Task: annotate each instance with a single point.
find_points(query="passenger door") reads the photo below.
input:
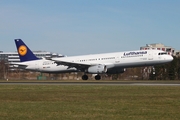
(150, 55)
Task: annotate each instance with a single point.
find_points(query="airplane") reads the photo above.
(106, 63)
(29, 61)
(113, 63)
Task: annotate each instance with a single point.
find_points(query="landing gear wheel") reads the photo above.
(97, 77)
(85, 77)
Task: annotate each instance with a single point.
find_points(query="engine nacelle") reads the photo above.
(97, 69)
(116, 70)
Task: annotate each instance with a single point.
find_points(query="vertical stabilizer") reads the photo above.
(25, 54)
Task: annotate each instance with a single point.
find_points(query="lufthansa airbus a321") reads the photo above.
(106, 63)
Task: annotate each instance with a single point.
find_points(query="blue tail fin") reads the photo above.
(25, 54)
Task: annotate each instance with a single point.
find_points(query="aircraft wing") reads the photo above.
(73, 64)
(79, 66)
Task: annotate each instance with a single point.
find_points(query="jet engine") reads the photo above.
(97, 69)
(116, 70)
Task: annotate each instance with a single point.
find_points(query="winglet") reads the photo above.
(25, 54)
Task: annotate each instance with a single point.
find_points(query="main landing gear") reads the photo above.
(97, 77)
(85, 77)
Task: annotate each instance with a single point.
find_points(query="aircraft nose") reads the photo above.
(170, 58)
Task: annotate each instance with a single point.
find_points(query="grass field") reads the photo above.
(51, 102)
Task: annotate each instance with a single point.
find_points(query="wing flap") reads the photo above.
(72, 64)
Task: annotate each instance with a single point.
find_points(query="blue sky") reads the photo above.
(75, 27)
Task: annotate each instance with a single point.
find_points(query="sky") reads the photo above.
(78, 27)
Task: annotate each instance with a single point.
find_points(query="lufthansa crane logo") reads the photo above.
(22, 50)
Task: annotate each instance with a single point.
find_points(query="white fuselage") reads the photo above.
(110, 60)
(122, 59)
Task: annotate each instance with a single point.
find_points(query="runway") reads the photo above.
(117, 83)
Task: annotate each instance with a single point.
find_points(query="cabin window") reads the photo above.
(163, 53)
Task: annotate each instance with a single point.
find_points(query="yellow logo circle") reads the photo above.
(22, 50)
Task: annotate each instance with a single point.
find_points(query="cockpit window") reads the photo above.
(163, 53)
